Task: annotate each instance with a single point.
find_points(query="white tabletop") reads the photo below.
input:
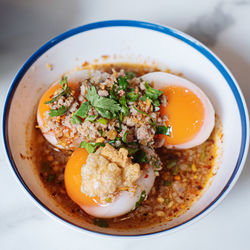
(25, 25)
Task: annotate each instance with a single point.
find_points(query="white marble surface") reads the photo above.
(25, 25)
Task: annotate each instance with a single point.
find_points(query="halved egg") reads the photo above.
(74, 80)
(189, 112)
(123, 202)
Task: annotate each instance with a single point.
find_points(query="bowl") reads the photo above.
(127, 41)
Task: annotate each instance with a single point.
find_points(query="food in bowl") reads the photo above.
(124, 145)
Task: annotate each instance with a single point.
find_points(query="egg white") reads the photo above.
(125, 201)
(162, 79)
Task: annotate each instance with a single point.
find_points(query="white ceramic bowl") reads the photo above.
(132, 41)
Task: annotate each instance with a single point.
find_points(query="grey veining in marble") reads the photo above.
(209, 25)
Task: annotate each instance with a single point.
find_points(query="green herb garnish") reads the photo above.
(120, 119)
(166, 201)
(123, 83)
(171, 164)
(58, 112)
(124, 107)
(124, 138)
(176, 170)
(102, 121)
(113, 93)
(125, 110)
(105, 113)
(152, 93)
(132, 151)
(65, 87)
(132, 96)
(91, 118)
(75, 120)
(55, 97)
(164, 130)
(81, 112)
(106, 107)
(140, 156)
(142, 198)
(143, 98)
(139, 111)
(64, 83)
(100, 222)
(91, 146)
(167, 183)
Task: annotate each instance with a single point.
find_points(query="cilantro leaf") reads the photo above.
(123, 83)
(132, 96)
(124, 109)
(91, 146)
(58, 112)
(113, 93)
(91, 94)
(91, 118)
(142, 198)
(104, 113)
(164, 130)
(106, 107)
(102, 121)
(75, 120)
(55, 97)
(64, 84)
(152, 93)
(81, 112)
(123, 101)
(65, 91)
(143, 98)
(139, 111)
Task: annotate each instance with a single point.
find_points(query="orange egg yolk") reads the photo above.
(73, 179)
(185, 113)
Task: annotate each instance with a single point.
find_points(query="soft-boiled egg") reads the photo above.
(189, 112)
(74, 79)
(123, 202)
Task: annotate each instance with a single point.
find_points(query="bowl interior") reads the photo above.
(126, 44)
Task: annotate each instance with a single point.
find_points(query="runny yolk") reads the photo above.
(185, 113)
(73, 179)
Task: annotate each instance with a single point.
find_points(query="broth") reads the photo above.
(179, 184)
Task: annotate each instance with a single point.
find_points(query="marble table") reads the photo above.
(25, 25)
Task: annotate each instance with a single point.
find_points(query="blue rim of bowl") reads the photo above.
(144, 25)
